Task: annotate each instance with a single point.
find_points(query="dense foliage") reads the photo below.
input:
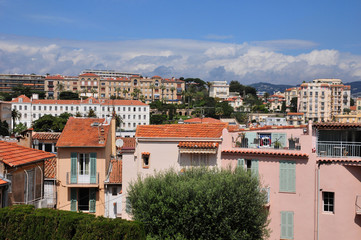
(200, 203)
(24, 222)
(50, 123)
(69, 95)
(4, 128)
(21, 90)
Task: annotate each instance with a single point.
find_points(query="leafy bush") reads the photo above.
(24, 222)
(200, 203)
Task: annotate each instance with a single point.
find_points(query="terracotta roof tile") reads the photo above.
(23, 97)
(122, 102)
(116, 173)
(50, 168)
(211, 145)
(335, 125)
(339, 160)
(128, 143)
(266, 152)
(146, 153)
(3, 182)
(84, 132)
(46, 135)
(202, 120)
(88, 75)
(15, 155)
(211, 130)
(295, 113)
(353, 108)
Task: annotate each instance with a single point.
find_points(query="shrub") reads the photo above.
(24, 222)
(200, 203)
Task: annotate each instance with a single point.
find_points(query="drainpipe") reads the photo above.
(27, 186)
(318, 197)
(42, 180)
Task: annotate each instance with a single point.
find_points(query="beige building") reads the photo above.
(358, 105)
(322, 99)
(219, 89)
(5, 112)
(134, 87)
(86, 148)
(291, 93)
(348, 118)
(295, 119)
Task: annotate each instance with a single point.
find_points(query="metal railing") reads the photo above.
(338, 149)
(268, 191)
(82, 179)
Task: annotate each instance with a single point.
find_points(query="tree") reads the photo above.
(68, 95)
(20, 128)
(283, 107)
(125, 92)
(172, 89)
(152, 87)
(201, 203)
(93, 91)
(352, 102)
(60, 88)
(162, 88)
(15, 115)
(4, 128)
(158, 118)
(293, 105)
(49, 123)
(91, 113)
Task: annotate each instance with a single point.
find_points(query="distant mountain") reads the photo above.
(355, 88)
(271, 88)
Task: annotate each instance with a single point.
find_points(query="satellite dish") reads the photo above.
(119, 143)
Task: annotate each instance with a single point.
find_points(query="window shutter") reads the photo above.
(290, 225)
(284, 225)
(251, 136)
(281, 137)
(287, 225)
(240, 162)
(92, 201)
(254, 167)
(73, 199)
(73, 170)
(93, 167)
(287, 176)
(292, 177)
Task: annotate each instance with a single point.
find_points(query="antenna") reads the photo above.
(119, 143)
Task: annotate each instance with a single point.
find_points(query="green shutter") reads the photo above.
(251, 136)
(286, 225)
(287, 176)
(73, 199)
(281, 137)
(254, 167)
(93, 167)
(240, 162)
(73, 170)
(92, 199)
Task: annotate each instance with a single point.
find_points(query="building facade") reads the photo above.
(132, 87)
(219, 89)
(295, 119)
(8, 81)
(322, 99)
(291, 93)
(132, 112)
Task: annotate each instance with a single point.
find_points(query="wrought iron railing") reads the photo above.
(338, 149)
(82, 179)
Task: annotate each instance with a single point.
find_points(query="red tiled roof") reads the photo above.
(24, 98)
(339, 160)
(55, 77)
(347, 87)
(116, 173)
(15, 155)
(46, 135)
(2, 182)
(202, 120)
(146, 153)
(156, 76)
(295, 113)
(128, 143)
(353, 108)
(211, 145)
(123, 102)
(50, 168)
(88, 75)
(335, 125)
(266, 152)
(80, 132)
(211, 130)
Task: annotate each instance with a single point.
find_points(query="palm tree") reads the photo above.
(85, 91)
(142, 98)
(125, 92)
(134, 95)
(209, 85)
(162, 88)
(172, 89)
(219, 112)
(93, 91)
(60, 88)
(152, 87)
(137, 92)
(15, 115)
(117, 91)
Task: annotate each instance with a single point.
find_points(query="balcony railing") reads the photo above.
(82, 179)
(338, 149)
(267, 190)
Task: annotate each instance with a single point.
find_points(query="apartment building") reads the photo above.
(219, 89)
(295, 119)
(323, 98)
(86, 148)
(291, 93)
(132, 87)
(8, 81)
(109, 73)
(5, 112)
(275, 102)
(132, 112)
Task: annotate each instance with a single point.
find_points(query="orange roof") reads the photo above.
(295, 113)
(335, 125)
(88, 75)
(55, 77)
(266, 152)
(23, 97)
(353, 108)
(50, 168)
(347, 87)
(211, 130)
(339, 160)
(128, 143)
(123, 102)
(202, 120)
(116, 173)
(46, 135)
(15, 155)
(198, 145)
(146, 153)
(156, 76)
(84, 132)
(2, 182)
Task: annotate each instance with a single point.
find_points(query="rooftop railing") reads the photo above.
(338, 149)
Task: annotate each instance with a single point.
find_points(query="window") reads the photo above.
(286, 225)
(83, 164)
(114, 191)
(128, 206)
(328, 201)
(287, 176)
(145, 158)
(34, 108)
(39, 107)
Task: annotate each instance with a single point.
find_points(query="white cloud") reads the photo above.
(208, 60)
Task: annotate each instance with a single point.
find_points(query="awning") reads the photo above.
(198, 147)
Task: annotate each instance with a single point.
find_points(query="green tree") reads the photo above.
(152, 86)
(158, 118)
(172, 89)
(20, 128)
(293, 105)
(15, 115)
(91, 113)
(162, 88)
(352, 102)
(201, 203)
(4, 128)
(125, 92)
(69, 95)
(49, 123)
(283, 107)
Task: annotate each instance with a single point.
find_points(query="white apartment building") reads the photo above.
(219, 89)
(291, 93)
(322, 99)
(109, 73)
(132, 112)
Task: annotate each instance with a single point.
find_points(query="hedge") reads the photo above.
(26, 222)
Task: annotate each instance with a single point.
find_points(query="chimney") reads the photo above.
(113, 136)
(101, 136)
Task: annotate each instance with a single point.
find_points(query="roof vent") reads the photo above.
(95, 124)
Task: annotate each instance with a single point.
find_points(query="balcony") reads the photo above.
(358, 205)
(80, 179)
(267, 190)
(338, 149)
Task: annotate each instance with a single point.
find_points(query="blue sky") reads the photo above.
(276, 41)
